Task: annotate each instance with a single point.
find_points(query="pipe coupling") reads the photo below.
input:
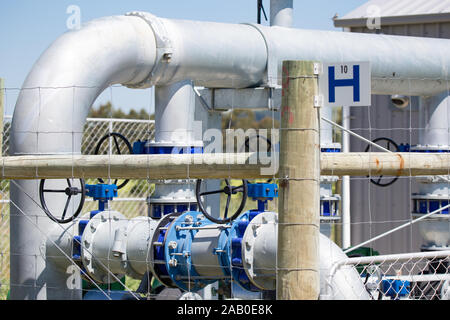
(164, 49)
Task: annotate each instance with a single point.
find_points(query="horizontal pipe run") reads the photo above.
(421, 277)
(207, 166)
(164, 166)
(394, 258)
(386, 164)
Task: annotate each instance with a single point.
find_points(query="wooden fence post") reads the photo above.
(2, 110)
(299, 190)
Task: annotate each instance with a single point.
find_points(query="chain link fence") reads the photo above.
(408, 276)
(415, 276)
(131, 200)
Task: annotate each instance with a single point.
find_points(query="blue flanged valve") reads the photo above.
(190, 251)
(193, 250)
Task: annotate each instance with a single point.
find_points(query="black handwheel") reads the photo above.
(114, 135)
(69, 191)
(229, 190)
(392, 146)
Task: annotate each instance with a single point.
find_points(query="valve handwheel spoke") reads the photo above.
(211, 192)
(115, 136)
(225, 214)
(69, 192)
(229, 190)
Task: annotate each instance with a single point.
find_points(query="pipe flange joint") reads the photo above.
(329, 208)
(433, 179)
(265, 220)
(177, 249)
(331, 147)
(164, 49)
(271, 78)
(139, 231)
(235, 254)
(328, 179)
(92, 236)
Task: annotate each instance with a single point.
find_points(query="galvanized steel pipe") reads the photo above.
(141, 50)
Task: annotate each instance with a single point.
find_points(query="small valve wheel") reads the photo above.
(229, 190)
(392, 146)
(114, 136)
(69, 192)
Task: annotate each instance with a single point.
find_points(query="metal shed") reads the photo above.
(374, 209)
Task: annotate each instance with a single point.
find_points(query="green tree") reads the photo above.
(108, 111)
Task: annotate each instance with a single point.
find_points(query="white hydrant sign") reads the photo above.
(345, 84)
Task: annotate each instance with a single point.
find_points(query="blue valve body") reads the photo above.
(101, 191)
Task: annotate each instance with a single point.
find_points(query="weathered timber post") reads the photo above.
(2, 110)
(299, 193)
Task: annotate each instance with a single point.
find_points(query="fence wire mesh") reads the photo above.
(374, 212)
(416, 276)
(131, 200)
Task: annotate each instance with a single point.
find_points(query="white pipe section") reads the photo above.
(326, 129)
(281, 13)
(346, 217)
(174, 115)
(260, 252)
(213, 55)
(346, 283)
(218, 55)
(140, 50)
(399, 64)
(48, 119)
(62, 85)
(346, 262)
(174, 126)
(434, 118)
(108, 256)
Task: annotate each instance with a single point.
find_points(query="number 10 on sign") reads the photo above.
(345, 84)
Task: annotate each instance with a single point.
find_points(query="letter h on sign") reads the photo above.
(352, 82)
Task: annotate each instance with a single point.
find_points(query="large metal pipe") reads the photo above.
(204, 166)
(399, 65)
(239, 56)
(48, 119)
(140, 50)
(105, 260)
(174, 127)
(281, 13)
(434, 118)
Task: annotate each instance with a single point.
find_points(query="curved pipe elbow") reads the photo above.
(68, 77)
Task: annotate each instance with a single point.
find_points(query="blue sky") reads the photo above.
(28, 27)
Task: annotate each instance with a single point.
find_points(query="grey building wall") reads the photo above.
(374, 209)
